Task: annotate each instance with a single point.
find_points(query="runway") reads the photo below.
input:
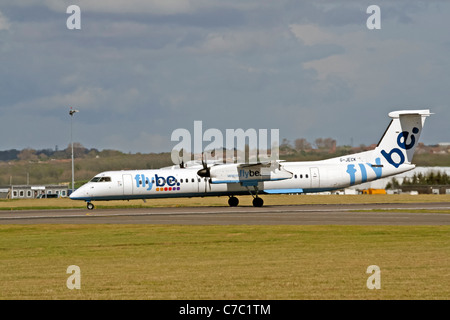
(332, 214)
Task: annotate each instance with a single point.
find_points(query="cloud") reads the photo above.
(366, 62)
(234, 42)
(142, 141)
(311, 34)
(122, 6)
(140, 69)
(4, 23)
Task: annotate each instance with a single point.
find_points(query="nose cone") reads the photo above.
(75, 194)
(79, 194)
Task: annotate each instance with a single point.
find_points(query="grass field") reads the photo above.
(225, 262)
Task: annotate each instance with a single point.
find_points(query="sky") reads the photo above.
(139, 69)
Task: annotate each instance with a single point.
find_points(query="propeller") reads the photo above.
(205, 171)
(181, 161)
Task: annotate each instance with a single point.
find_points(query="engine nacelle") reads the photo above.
(248, 174)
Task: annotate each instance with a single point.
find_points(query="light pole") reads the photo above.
(71, 112)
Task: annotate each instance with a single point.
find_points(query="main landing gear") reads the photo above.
(257, 201)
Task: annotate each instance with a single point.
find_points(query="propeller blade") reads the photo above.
(181, 161)
(205, 171)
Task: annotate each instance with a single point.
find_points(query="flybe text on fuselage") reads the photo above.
(170, 182)
(352, 169)
(249, 173)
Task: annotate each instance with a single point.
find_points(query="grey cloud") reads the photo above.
(137, 76)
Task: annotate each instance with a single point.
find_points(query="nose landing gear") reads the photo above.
(90, 205)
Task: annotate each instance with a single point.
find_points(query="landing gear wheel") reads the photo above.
(233, 201)
(258, 202)
(90, 206)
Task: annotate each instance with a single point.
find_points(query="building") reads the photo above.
(33, 192)
(429, 189)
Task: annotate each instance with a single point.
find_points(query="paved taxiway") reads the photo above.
(348, 214)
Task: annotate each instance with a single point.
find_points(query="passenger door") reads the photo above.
(315, 178)
(127, 184)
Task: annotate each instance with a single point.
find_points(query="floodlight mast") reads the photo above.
(72, 112)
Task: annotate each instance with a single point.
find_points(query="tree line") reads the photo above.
(79, 151)
(431, 178)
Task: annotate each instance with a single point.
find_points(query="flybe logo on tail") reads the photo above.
(402, 143)
(162, 184)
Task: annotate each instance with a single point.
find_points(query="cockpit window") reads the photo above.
(101, 179)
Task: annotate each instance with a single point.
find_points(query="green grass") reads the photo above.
(224, 262)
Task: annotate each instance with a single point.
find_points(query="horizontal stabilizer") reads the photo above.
(397, 114)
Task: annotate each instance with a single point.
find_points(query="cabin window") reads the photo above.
(306, 176)
(181, 180)
(192, 180)
(301, 176)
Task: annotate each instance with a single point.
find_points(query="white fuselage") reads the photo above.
(306, 177)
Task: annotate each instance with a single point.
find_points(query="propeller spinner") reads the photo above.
(205, 171)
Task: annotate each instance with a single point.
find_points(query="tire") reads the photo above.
(258, 202)
(233, 202)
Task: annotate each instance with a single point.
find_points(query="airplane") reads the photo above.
(392, 155)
